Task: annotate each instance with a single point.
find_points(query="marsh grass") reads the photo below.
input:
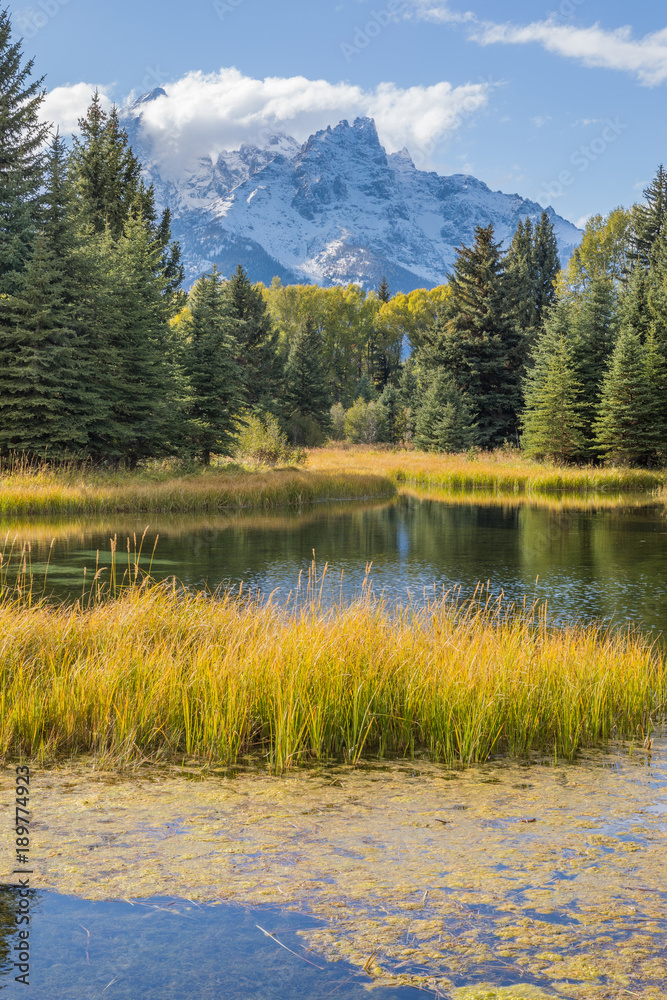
(504, 471)
(161, 674)
(170, 487)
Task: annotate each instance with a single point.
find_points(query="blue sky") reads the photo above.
(563, 103)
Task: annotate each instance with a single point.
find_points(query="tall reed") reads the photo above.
(162, 674)
(507, 472)
(42, 490)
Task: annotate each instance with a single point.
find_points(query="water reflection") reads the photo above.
(605, 564)
(168, 949)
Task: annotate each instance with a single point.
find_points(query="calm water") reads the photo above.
(593, 564)
(166, 949)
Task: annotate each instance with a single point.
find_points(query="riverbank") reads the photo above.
(509, 473)
(165, 489)
(162, 675)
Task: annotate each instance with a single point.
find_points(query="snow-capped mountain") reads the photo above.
(334, 210)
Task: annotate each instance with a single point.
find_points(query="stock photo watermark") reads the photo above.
(224, 7)
(583, 157)
(32, 19)
(378, 21)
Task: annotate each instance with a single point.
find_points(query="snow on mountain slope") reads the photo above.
(335, 210)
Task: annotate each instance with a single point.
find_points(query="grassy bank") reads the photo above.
(43, 491)
(498, 472)
(158, 675)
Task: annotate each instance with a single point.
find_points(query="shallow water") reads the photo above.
(168, 949)
(603, 564)
(536, 878)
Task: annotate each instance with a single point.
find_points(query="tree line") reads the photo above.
(103, 356)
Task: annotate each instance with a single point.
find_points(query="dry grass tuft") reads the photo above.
(158, 674)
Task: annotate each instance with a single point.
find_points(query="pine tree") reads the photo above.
(216, 379)
(306, 398)
(445, 421)
(649, 219)
(479, 345)
(521, 279)
(552, 419)
(22, 161)
(394, 418)
(258, 342)
(596, 325)
(634, 308)
(45, 398)
(383, 291)
(630, 425)
(106, 175)
(148, 391)
(547, 266)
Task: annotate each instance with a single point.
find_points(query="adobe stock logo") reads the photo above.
(364, 35)
(584, 156)
(29, 22)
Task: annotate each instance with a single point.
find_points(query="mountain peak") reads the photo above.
(152, 95)
(332, 210)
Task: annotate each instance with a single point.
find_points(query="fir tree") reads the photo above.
(45, 399)
(552, 419)
(596, 323)
(445, 421)
(521, 281)
(547, 266)
(306, 398)
(22, 161)
(649, 219)
(479, 345)
(258, 342)
(147, 391)
(383, 291)
(394, 418)
(216, 379)
(630, 425)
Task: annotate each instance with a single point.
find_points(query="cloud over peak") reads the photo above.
(206, 113)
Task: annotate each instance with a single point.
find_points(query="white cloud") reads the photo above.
(645, 57)
(437, 11)
(207, 113)
(541, 120)
(65, 105)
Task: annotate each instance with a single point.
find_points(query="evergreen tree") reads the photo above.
(148, 392)
(630, 426)
(22, 161)
(634, 307)
(384, 292)
(479, 345)
(547, 266)
(45, 400)
(383, 357)
(365, 389)
(394, 418)
(649, 219)
(521, 280)
(106, 176)
(258, 342)
(216, 379)
(595, 324)
(552, 419)
(306, 398)
(445, 421)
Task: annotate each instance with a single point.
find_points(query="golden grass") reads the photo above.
(43, 491)
(507, 472)
(158, 674)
